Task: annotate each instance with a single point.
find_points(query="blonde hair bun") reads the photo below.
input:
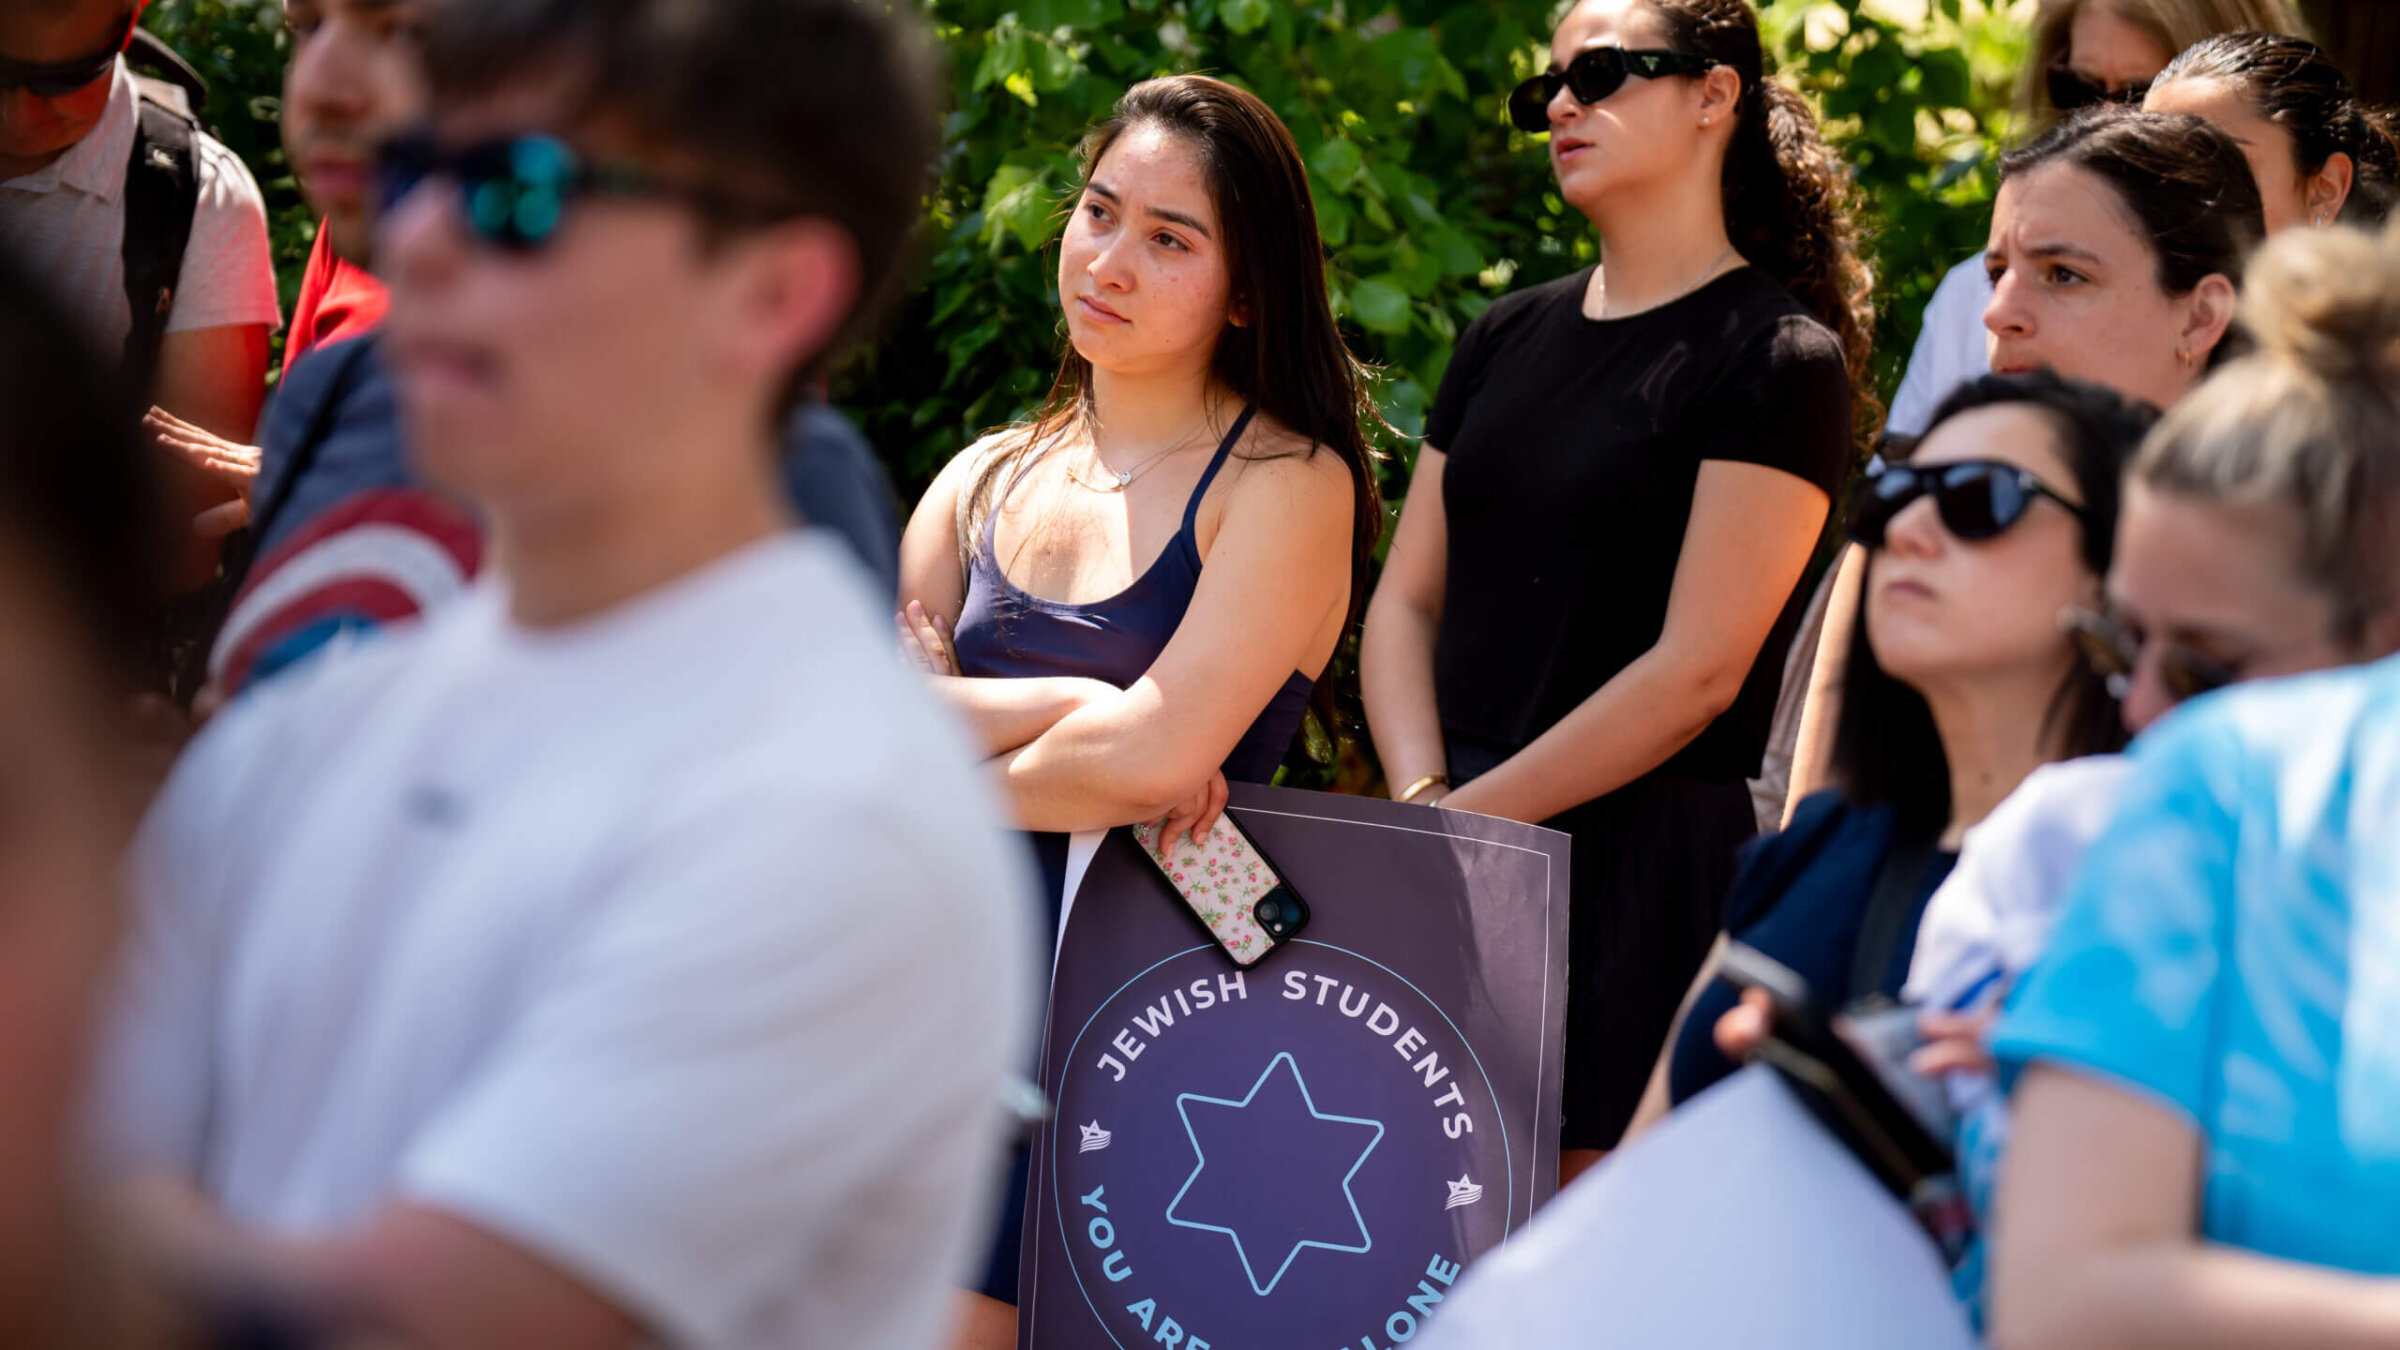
(2328, 302)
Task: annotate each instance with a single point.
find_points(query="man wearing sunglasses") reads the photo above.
(71, 132)
(627, 954)
(342, 526)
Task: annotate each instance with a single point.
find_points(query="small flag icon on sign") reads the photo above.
(1096, 1139)
(1462, 1192)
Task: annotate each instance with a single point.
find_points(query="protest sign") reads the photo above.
(1306, 1153)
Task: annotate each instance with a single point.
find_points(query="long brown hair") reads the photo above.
(1790, 205)
(1288, 360)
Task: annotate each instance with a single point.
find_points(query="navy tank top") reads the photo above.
(1006, 633)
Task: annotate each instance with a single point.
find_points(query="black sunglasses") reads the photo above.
(2113, 649)
(1977, 498)
(2070, 90)
(57, 79)
(1594, 74)
(513, 192)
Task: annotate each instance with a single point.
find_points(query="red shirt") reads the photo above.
(338, 300)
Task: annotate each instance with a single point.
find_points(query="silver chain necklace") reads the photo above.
(1123, 478)
(1707, 274)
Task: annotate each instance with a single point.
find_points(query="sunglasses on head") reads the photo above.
(2113, 649)
(513, 191)
(57, 79)
(2070, 90)
(1594, 74)
(1977, 498)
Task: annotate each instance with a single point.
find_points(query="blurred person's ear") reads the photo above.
(2208, 314)
(793, 287)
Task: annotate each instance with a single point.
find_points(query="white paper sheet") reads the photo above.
(1736, 1223)
(1080, 847)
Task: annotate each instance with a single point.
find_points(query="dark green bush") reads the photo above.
(1431, 204)
(239, 47)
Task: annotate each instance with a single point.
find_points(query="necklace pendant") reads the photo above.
(1125, 479)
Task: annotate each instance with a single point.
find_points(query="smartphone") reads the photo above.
(1829, 1066)
(1228, 883)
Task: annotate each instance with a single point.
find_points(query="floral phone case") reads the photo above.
(1230, 886)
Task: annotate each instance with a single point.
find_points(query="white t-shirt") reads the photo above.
(1990, 921)
(1952, 348)
(66, 225)
(682, 947)
(1991, 918)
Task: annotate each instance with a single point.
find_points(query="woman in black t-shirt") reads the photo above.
(1625, 475)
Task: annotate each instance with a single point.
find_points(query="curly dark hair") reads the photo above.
(2291, 82)
(1790, 204)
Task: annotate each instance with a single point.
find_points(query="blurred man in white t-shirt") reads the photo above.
(629, 954)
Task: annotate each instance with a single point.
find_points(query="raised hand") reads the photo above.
(226, 470)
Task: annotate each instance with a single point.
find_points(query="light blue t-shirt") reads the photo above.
(2231, 946)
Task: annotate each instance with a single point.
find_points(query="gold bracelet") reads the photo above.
(1418, 787)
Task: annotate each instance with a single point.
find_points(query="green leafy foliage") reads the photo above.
(240, 47)
(1430, 204)
(1421, 187)
(1915, 92)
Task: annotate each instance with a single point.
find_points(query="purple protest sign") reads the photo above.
(1308, 1152)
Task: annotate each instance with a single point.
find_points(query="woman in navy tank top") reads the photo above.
(1132, 595)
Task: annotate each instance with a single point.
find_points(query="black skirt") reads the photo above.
(1651, 867)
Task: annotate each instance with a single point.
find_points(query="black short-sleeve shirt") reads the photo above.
(1573, 446)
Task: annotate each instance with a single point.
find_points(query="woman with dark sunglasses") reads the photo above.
(2249, 545)
(2117, 245)
(1585, 612)
(1958, 684)
(2085, 53)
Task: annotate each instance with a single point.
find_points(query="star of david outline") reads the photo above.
(1182, 1103)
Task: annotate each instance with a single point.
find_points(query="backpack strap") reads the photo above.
(1898, 885)
(162, 198)
(164, 74)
